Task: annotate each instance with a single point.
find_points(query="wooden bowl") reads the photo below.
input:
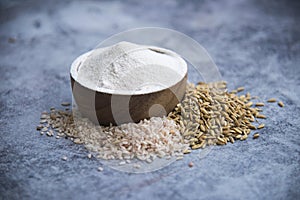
(108, 108)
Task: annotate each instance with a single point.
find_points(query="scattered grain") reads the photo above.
(39, 127)
(261, 126)
(259, 104)
(271, 100)
(77, 141)
(191, 164)
(65, 103)
(261, 116)
(231, 139)
(179, 158)
(49, 134)
(44, 129)
(240, 89)
(187, 151)
(249, 104)
(281, 104)
(256, 135)
(100, 169)
(251, 126)
(137, 166)
(65, 158)
(122, 163)
(44, 116)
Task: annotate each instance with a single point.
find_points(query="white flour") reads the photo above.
(129, 68)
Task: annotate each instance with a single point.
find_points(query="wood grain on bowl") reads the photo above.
(103, 108)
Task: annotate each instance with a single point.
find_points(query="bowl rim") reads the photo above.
(124, 94)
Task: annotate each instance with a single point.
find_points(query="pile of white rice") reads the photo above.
(146, 140)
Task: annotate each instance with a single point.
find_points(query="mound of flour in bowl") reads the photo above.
(130, 68)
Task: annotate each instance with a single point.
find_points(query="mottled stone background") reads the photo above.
(255, 44)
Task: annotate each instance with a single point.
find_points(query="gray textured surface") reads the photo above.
(254, 43)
